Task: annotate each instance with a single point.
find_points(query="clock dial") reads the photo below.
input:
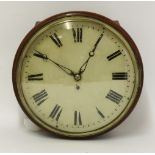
(77, 76)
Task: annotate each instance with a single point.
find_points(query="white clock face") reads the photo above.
(77, 76)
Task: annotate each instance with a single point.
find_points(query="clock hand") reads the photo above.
(91, 54)
(44, 57)
(84, 65)
(40, 55)
(65, 69)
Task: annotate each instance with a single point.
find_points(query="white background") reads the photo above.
(136, 134)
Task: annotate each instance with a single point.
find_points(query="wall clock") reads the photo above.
(77, 74)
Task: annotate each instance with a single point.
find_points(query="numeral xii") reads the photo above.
(77, 34)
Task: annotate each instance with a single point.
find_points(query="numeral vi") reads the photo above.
(77, 118)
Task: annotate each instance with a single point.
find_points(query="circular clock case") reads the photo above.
(77, 74)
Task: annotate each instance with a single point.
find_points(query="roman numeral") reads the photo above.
(77, 118)
(40, 97)
(35, 77)
(114, 55)
(56, 40)
(99, 112)
(77, 35)
(113, 96)
(120, 76)
(56, 112)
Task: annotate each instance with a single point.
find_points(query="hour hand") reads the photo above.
(91, 54)
(83, 67)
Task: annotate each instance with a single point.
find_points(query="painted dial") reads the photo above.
(77, 76)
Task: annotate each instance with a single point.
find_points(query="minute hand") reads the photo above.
(91, 54)
(44, 57)
(65, 69)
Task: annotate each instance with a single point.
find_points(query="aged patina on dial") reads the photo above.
(77, 74)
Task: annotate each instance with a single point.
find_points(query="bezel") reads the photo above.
(101, 18)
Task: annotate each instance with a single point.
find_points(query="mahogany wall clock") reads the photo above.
(77, 74)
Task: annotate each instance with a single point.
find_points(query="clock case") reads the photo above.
(115, 25)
